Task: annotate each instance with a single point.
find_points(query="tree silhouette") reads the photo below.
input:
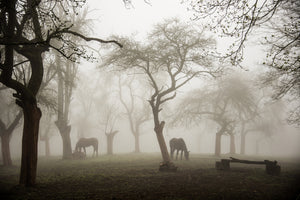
(9, 120)
(136, 109)
(278, 25)
(23, 32)
(226, 103)
(174, 50)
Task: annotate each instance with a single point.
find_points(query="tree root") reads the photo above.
(167, 167)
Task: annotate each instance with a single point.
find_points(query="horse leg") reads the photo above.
(172, 152)
(177, 154)
(84, 150)
(181, 154)
(95, 153)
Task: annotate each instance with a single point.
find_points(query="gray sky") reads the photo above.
(115, 18)
(112, 17)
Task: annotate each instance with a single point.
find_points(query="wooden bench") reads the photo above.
(271, 166)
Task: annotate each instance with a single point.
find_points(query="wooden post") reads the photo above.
(225, 164)
(272, 168)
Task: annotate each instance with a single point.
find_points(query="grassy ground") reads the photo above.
(136, 176)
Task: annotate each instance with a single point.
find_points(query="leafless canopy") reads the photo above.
(57, 19)
(228, 102)
(277, 21)
(174, 53)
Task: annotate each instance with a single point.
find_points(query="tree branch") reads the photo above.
(13, 125)
(92, 38)
(167, 99)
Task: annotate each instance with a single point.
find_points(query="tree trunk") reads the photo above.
(232, 144)
(5, 149)
(67, 148)
(65, 131)
(63, 112)
(5, 134)
(167, 164)
(218, 144)
(137, 142)
(243, 143)
(32, 115)
(161, 141)
(110, 139)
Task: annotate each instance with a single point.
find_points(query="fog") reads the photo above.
(200, 139)
(97, 89)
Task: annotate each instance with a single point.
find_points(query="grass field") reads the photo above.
(136, 176)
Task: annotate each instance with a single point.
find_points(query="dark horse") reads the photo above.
(85, 142)
(179, 145)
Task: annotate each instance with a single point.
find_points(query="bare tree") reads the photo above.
(48, 103)
(22, 33)
(66, 79)
(137, 114)
(268, 123)
(278, 24)
(225, 103)
(9, 119)
(283, 42)
(247, 124)
(47, 125)
(107, 107)
(5, 134)
(174, 50)
(86, 97)
(110, 117)
(21, 74)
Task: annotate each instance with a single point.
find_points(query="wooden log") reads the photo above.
(271, 166)
(225, 164)
(247, 161)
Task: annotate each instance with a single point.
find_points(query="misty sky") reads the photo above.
(112, 17)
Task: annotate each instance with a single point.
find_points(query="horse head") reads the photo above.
(187, 155)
